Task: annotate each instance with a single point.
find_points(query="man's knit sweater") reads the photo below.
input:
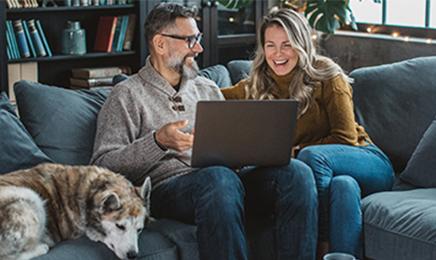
(134, 110)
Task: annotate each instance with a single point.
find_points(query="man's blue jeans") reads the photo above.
(343, 175)
(213, 199)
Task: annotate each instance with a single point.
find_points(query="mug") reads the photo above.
(339, 256)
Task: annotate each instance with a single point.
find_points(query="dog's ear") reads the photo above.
(145, 190)
(110, 202)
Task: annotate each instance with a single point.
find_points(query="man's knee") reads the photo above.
(218, 179)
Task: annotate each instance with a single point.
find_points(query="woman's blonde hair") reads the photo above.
(311, 67)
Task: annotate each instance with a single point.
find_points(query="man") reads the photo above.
(145, 129)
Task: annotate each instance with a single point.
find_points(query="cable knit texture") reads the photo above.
(134, 110)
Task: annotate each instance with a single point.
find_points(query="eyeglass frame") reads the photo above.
(186, 38)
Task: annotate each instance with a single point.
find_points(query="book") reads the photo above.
(105, 72)
(14, 75)
(130, 31)
(42, 36)
(118, 26)
(29, 71)
(29, 39)
(14, 43)
(10, 43)
(122, 33)
(21, 39)
(105, 33)
(21, 71)
(35, 38)
(97, 82)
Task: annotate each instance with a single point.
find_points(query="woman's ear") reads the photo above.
(159, 44)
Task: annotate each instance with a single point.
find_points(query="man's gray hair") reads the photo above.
(164, 15)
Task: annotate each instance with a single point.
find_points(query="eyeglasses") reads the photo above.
(190, 39)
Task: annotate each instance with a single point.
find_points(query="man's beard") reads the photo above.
(189, 72)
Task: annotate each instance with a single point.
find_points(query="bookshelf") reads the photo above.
(56, 70)
(224, 37)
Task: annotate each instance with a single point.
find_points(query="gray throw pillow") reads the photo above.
(61, 121)
(18, 150)
(421, 168)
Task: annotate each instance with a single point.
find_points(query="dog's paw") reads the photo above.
(42, 249)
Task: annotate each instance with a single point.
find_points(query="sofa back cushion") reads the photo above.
(61, 121)
(421, 168)
(218, 74)
(18, 150)
(396, 103)
(239, 69)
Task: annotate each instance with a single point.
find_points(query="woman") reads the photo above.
(346, 164)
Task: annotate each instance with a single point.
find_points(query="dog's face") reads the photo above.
(121, 218)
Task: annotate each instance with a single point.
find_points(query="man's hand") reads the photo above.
(170, 137)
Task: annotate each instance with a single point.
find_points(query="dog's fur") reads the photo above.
(41, 206)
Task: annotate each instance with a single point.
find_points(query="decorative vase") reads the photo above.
(73, 39)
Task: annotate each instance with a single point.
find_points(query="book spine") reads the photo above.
(21, 39)
(36, 39)
(116, 34)
(8, 49)
(29, 40)
(122, 33)
(42, 36)
(105, 33)
(127, 45)
(10, 44)
(14, 39)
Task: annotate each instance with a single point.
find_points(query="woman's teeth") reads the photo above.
(280, 62)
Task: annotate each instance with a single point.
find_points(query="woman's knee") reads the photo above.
(344, 185)
(297, 177)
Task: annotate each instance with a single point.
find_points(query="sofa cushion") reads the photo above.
(421, 168)
(61, 121)
(218, 74)
(396, 103)
(18, 150)
(239, 69)
(152, 246)
(400, 225)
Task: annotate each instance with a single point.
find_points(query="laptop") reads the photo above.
(237, 133)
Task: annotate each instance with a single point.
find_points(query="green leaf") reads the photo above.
(235, 4)
(328, 15)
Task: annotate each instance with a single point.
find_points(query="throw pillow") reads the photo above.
(61, 121)
(421, 168)
(18, 150)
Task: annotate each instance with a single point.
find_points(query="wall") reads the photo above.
(355, 50)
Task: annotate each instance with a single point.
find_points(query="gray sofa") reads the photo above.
(396, 103)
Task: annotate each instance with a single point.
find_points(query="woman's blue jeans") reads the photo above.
(343, 175)
(213, 199)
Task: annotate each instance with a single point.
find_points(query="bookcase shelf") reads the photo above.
(73, 57)
(56, 70)
(70, 8)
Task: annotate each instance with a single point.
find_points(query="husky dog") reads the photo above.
(41, 206)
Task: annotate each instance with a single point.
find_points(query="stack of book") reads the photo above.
(115, 33)
(21, 3)
(26, 39)
(89, 78)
